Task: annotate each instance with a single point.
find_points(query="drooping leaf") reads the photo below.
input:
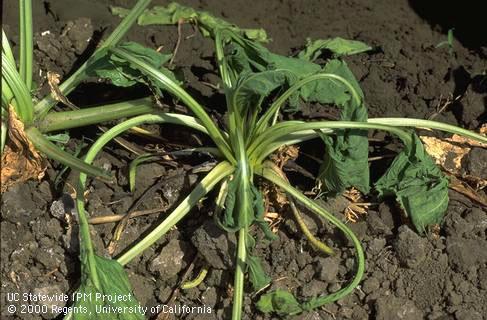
(252, 88)
(258, 277)
(234, 220)
(346, 158)
(207, 23)
(279, 301)
(346, 163)
(114, 284)
(122, 73)
(418, 185)
(259, 212)
(337, 46)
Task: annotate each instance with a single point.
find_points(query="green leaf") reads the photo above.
(280, 301)
(346, 158)
(114, 284)
(418, 185)
(338, 47)
(207, 23)
(62, 138)
(122, 73)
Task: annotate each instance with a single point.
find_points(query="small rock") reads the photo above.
(468, 315)
(370, 285)
(386, 214)
(477, 163)
(170, 261)
(455, 299)
(463, 253)
(164, 294)
(140, 285)
(346, 312)
(56, 304)
(49, 45)
(79, 32)
(209, 297)
(217, 278)
(376, 245)
(359, 313)
(410, 247)
(216, 246)
(377, 226)
(395, 308)
(478, 219)
(328, 269)
(455, 225)
(306, 274)
(313, 288)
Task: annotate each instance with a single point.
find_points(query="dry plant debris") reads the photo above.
(20, 160)
(357, 207)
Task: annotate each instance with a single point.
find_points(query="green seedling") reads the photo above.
(259, 87)
(448, 42)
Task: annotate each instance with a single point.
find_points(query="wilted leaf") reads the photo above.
(114, 283)
(20, 160)
(280, 301)
(251, 88)
(346, 159)
(122, 73)
(346, 162)
(258, 277)
(337, 46)
(450, 153)
(174, 12)
(445, 153)
(418, 185)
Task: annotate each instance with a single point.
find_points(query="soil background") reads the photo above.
(407, 276)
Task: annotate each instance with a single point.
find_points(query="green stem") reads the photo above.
(259, 149)
(222, 170)
(420, 123)
(26, 44)
(53, 152)
(55, 121)
(267, 172)
(21, 94)
(3, 135)
(244, 208)
(239, 274)
(79, 75)
(87, 250)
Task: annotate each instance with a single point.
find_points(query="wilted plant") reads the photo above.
(251, 77)
(259, 86)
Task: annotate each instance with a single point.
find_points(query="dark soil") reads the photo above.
(407, 276)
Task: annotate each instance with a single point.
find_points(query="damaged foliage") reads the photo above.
(20, 160)
(418, 185)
